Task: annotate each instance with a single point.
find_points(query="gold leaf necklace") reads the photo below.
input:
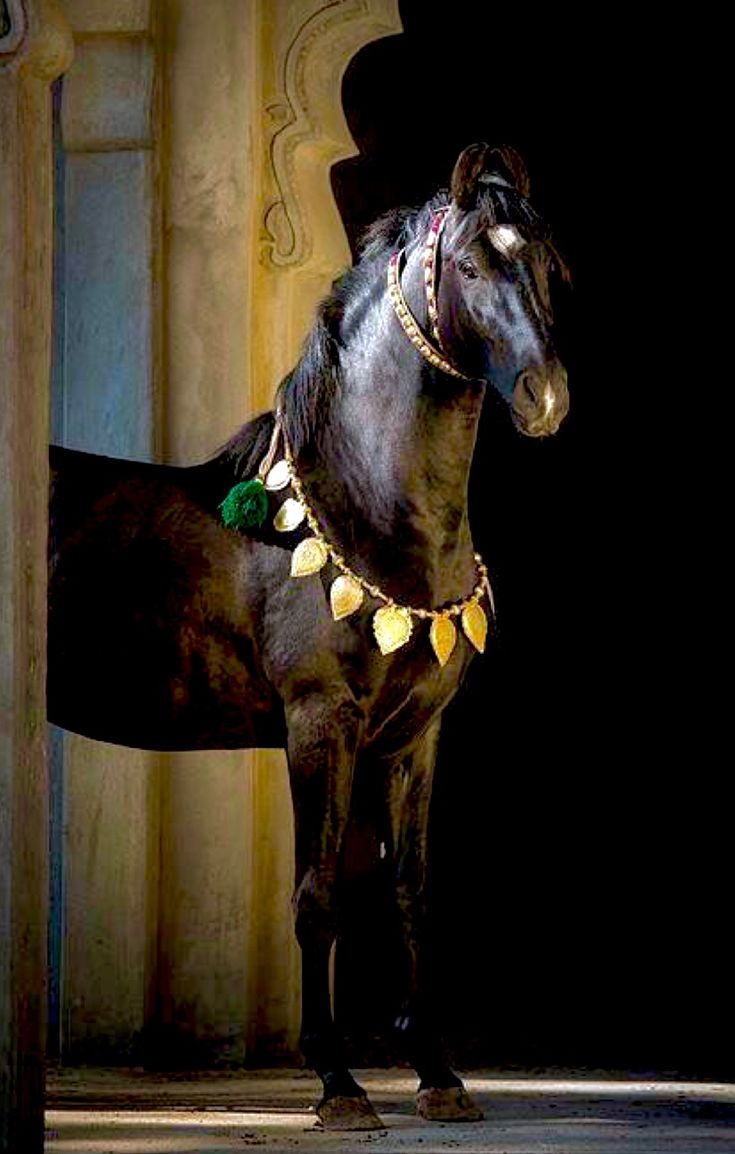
(393, 621)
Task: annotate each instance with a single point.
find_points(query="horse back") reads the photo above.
(151, 638)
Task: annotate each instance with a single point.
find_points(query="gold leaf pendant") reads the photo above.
(309, 557)
(345, 596)
(278, 476)
(474, 623)
(392, 628)
(289, 516)
(443, 637)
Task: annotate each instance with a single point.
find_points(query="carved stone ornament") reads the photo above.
(305, 128)
(37, 34)
(12, 27)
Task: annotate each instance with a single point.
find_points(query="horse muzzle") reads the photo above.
(540, 400)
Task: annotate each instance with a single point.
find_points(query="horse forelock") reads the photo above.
(498, 205)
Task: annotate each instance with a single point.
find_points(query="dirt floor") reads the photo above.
(132, 1112)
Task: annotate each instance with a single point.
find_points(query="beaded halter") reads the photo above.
(433, 353)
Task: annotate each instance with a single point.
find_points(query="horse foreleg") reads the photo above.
(321, 753)
(442, 1095)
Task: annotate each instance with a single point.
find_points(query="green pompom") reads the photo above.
(245, 506)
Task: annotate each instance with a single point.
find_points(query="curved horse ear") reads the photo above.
(508, 160)
(480, 164)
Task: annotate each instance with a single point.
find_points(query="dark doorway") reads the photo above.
(581, 872)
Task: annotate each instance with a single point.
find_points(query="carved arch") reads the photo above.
(306, 131)
(299, 241)
(36, 34)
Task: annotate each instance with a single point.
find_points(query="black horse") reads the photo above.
(341, 625)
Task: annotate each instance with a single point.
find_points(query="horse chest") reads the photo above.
(309, 654)
(407, 693)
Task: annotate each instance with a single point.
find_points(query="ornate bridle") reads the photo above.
(435, 354)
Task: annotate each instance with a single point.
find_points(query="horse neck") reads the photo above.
(395, 463)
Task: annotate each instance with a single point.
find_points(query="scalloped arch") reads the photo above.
(306, 131)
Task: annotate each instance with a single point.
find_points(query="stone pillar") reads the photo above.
(208, 929)
(34, 49)
(107, 401)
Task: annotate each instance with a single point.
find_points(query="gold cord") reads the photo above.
(392, 624)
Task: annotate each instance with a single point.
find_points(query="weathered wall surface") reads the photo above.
(198, 233)
(106, 401)
(34, 49)
(208, 923)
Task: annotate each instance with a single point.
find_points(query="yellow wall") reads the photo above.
(178, 868)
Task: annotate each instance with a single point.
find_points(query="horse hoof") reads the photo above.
(451, 1105)
(342, 1113)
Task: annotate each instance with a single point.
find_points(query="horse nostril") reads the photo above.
(540, 399)
(528, 389)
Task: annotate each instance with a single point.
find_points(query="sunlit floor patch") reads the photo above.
(608, 1088)
(174, 1131)
(557, 1114)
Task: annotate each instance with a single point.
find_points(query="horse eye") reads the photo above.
(467, 269)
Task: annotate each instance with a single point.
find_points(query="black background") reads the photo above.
(581, 890)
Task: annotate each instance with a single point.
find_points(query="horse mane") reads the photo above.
(307, 394)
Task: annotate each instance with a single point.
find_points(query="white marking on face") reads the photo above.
(505, 239)
(548, 400)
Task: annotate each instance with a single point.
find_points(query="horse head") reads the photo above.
(493, 301)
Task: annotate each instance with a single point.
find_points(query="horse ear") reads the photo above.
(511, 162)
(467, 172)
(480, 164)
